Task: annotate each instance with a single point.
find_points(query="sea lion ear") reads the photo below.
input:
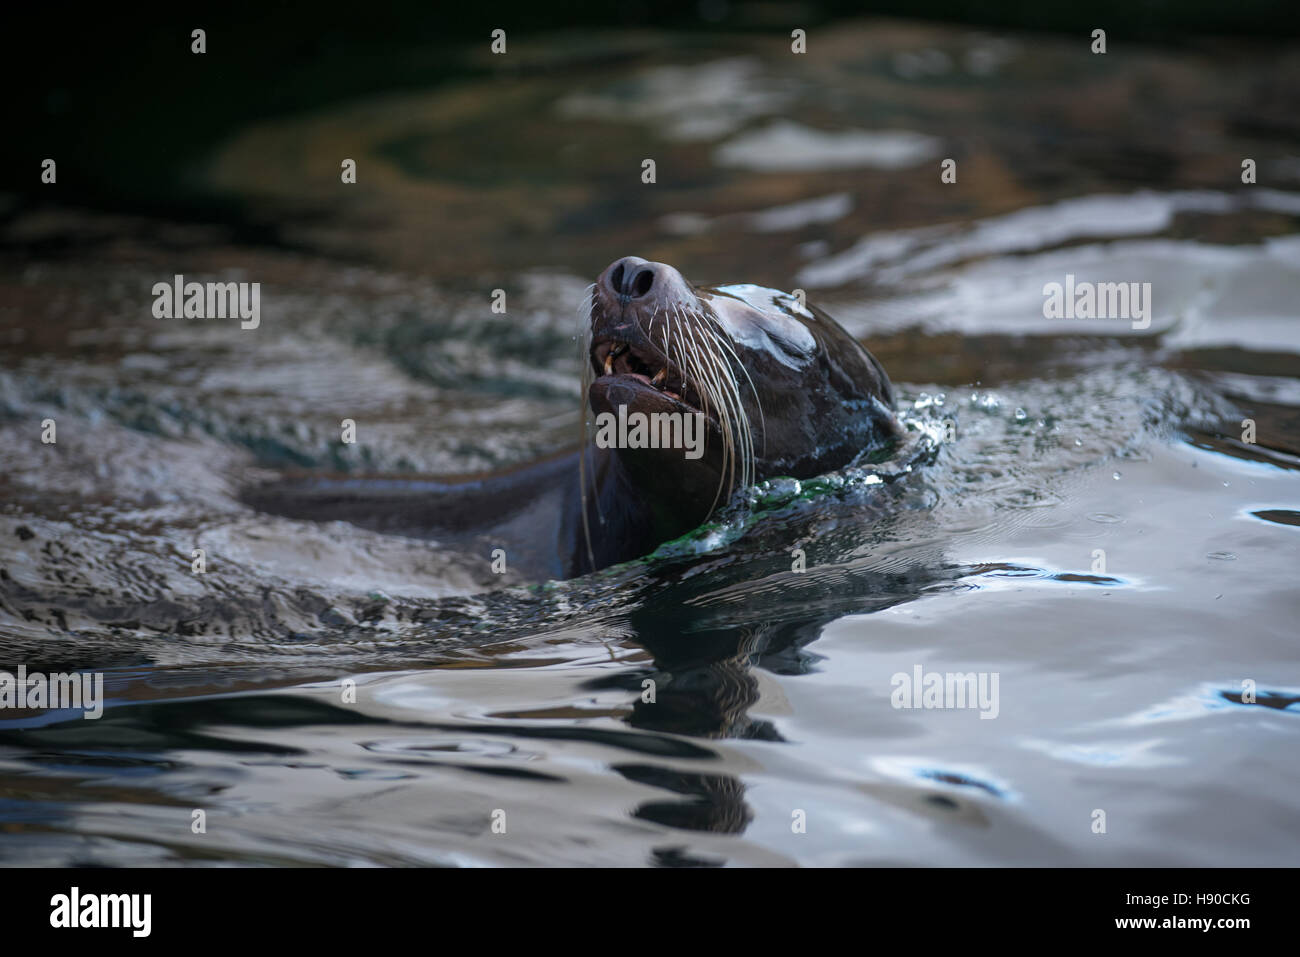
(794, 305)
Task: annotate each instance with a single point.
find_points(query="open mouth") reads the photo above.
(612, 358)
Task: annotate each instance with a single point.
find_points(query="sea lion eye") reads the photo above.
(790, 336)
(767, 321)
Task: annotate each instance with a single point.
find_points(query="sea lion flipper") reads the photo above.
(414, 506)
(383, 505)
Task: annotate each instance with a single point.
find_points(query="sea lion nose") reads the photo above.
(630, 277)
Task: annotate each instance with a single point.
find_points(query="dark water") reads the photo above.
(1075, 512)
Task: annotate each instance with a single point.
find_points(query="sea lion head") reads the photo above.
(784, 390)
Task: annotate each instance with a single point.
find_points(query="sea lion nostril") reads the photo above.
(640, 283)
(628, 278)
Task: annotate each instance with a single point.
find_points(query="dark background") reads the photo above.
(114, 92)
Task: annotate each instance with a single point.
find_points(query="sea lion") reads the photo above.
(776, 388)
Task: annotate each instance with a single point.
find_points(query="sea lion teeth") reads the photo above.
(615, 351)
(660, 376)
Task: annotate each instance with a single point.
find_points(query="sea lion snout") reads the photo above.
(634, 305)
(633, 287)
(630, 277)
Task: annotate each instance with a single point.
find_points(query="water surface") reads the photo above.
(1076, 511)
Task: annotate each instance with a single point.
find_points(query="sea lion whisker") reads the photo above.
(709, 372)
(693, 374)
(586, 307)
(721, 339)
(729, 397)
(668, 358)
(729, 393)
(707, 400)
